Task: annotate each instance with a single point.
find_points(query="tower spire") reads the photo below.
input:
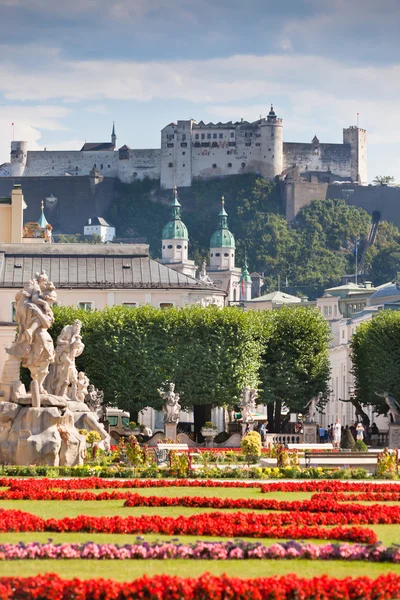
(113, 136)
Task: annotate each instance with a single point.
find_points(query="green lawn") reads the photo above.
(126, 570)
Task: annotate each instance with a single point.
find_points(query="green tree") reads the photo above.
(295, 364)
(375, 353)
(383, 180)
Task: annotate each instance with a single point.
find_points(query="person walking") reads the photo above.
(337, 434)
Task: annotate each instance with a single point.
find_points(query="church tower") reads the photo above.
(175, 242)
(222, 268)
(245, 283)
(113, 136)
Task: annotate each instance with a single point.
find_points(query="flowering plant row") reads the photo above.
(200, 550)
(327, 486)
(359, 497)
(165, 587)
(213, 524)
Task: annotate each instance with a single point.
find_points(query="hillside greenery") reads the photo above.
(309, 254)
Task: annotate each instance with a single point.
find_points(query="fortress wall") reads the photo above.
(298, 194)
(203, 160)
(57, 163)
(140, 164)
(69, 201)
(318, 157)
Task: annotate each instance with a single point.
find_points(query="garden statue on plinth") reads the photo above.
(172, 410)
(64, 380)
(247, 405)
(37, 428)
(310, 426)
(394, 420)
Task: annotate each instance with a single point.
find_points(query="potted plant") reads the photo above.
(209, 430)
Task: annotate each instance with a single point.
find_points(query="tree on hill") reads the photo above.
(383, 180)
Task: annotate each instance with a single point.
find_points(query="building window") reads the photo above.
(205, 144)
(170, 246)
(183, 136)
(184, 144)
(170, 145)
(196, 137)
(101, 166)
(203, 136)
(217, 254)
(343, 334)
(226, 254)
(163, 247)
(85, 306)
(248, 144)
(170, 136)
(170, 165)
(243, 165)
(232, 134)
(166, 305)
(130, 304)
(232, 144)
(214, 136)
(197, 144)
(214, 166)
(179, 247)
(183, 153)
(221, 135)
(183, 164)
(209, 136)
(214, 145)
(212, 254)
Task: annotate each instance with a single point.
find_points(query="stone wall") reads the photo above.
(69, 201)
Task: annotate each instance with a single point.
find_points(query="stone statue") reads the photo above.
(82, 386)
(312, 408)
(94, 399)
(63, 376)
(34, 346)
(172, 408)
(248, 403)
(393, 412)
(203, 275)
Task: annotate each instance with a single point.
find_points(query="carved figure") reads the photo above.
(172, 408)
(82, 386)
(248, 403)
(393, 412)
(203, 276)
(94, 399)
(63, 373)
(34, 346)
(312, 409)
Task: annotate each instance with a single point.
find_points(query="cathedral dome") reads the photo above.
(175, 229)
(222, 237)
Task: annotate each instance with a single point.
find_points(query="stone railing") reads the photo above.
(283, 438)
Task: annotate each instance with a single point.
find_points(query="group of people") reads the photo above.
(334, 433)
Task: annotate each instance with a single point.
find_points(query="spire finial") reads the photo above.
(42, 205)
(175, 191)
(223, 200)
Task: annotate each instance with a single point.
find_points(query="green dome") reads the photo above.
(222, 238)
(175, 229)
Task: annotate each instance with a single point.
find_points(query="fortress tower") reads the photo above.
(357, 139)
(113, 136)
(19, 153)
(271, 145)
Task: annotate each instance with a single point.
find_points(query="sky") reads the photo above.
(69, 69)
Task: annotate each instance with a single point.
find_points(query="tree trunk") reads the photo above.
(270, 416)
(202, 413)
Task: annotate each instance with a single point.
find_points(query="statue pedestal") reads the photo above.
(394, 435)
(310, 433)
(170, 431)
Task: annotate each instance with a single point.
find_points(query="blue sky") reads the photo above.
(68, 69)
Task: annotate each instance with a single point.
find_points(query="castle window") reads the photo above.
(248, 143)
(257, 143)
(232, 134)
(203, 136)
(101, 166)
(183, 153)
(95, 166)
(221, 135)
(243, 165)
(214, 145)
(76, 168)
(197, 144)
(214, 166)
(183, 165)
(214, 136)
(226, 254)
(232, 144)
(108, 166)
(169, 246)
(179, 247)
(170, 136)
(196, 137)
(212, 254)
(229, 165)
(209, 136)
(217, 254)
(183, 136)
(170, 145)
(184, 144)
(170, 165)
(205, 144)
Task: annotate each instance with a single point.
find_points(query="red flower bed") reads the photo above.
(327, 486)
(206, 587)
(359, 497)
(213, 524)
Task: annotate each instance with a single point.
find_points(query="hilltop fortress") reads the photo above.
(191, 151)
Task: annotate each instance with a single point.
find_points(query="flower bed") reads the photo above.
(327, 486)
(360, 496)
(200, 550)
(213, 524)
(164, 587)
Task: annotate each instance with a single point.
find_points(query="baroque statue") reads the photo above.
(247, 403)
(172, 408)
(393, 413)
(312, 408)
(34, 346)
(63, 375)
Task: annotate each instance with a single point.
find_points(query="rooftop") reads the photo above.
(97, 146)
(277, 298)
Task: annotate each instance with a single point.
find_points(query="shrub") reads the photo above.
(348, 442)
(251, 445)
(361, 446)
(387, 465)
